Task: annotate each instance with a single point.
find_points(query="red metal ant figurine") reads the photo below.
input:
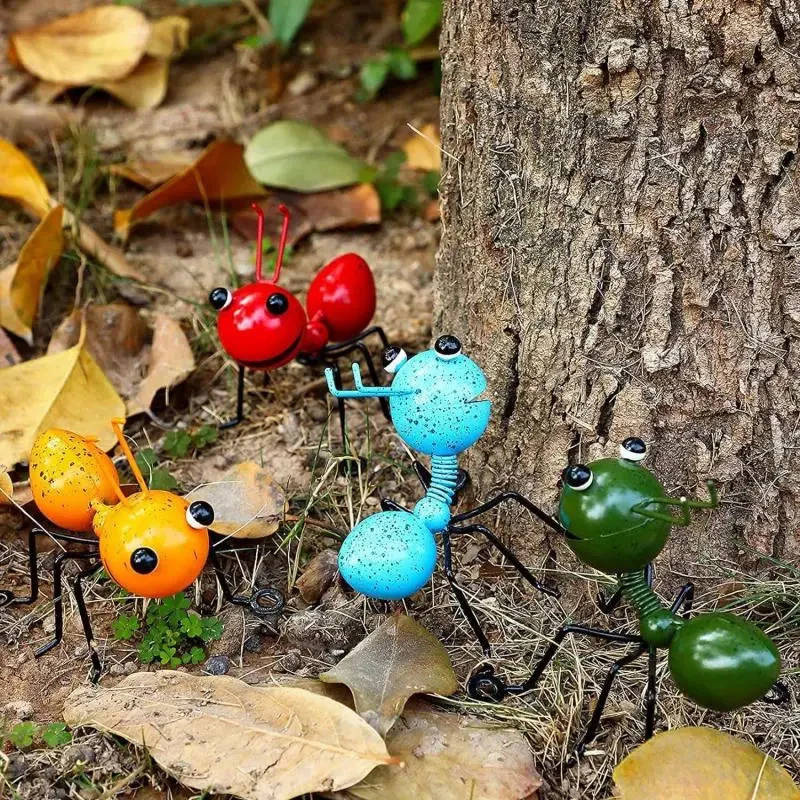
(263, 326)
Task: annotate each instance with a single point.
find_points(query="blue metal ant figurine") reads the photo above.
(438, 409)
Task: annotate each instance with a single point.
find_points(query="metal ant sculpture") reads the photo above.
(262, 326)
(438, 409)
(152, 543)
(615, 516)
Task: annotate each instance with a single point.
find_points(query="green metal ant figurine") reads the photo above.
(615, 516)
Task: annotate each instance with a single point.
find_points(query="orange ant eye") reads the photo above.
(67, 473)
(200, 514)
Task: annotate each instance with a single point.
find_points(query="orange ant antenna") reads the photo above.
(117, 424)
(113, 480)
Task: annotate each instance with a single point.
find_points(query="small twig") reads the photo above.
(261, 20)
(435, 144)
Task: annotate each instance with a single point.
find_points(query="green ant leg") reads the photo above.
(682, 503)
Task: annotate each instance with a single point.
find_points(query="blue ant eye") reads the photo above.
(447, 347)
(393, 358)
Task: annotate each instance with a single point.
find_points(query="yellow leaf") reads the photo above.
(424, 152)
(701, 764)
(150, 173)
(247, 502)
(21, 180)
(222, 735)
(67, 390)
(218, 177)
(169, 37)
(100, 44)
(171, 360)
(22, 284)
(6, 488)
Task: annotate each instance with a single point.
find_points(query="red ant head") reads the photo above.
(261, 325)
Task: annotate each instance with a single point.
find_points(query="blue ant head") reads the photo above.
(435, 397)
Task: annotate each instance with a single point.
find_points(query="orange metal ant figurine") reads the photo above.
(263, 326)
(153, 543)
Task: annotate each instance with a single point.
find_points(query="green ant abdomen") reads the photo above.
(723, 662)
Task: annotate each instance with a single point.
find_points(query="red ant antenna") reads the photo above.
(281, 246)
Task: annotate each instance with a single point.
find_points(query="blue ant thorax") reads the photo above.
(437, 409)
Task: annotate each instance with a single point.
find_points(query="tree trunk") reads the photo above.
(621, 212)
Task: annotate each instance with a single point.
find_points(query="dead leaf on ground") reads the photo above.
(424, 152)
(169, 37)
(247, 502)
(100, 44)
(22, 283)
(116, 336)
(449, 755)
(8, 353)
(323, 211)
(701, 764)
(67, 390)
(318, 575)
(150, 173)
(220, 735)
(171, 362)
(396, 661)
(218, 177)
(6, 488)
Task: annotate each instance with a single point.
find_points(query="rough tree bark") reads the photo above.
(621, 217)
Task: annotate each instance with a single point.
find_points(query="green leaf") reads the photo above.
(192, 626)
(162, 479)
(205, 435)
(257, 41)
(286, 17)
(125, 626)
(430, 182)
(295, 155)
(420, 18)
(146, 459)
(197, 655)
(177, 443)
(56, 735)
(212, 629)
(401, 64)
(373, 75)
(22, 734)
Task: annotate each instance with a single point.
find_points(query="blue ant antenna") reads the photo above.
(439, 408)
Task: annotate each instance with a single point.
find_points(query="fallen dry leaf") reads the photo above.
(6, 488)
(116, 336)
(322, 211)
(220, 735)
(701, 764)
(22, 283)
(318, 575)
(8, 353)
(150, 173)
(449, 755)
(93, 245)
(396, 661)
(67, 390)
(100, 44)
(21, 180)
(247, 502)
(424, 152)
(169, 37)
(171, 361)
(218, 177)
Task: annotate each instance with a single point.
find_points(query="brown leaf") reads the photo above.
(220, 735)
(93, 245)
(449, 755)
(424, 152)
(247, 502)
(21, 180)
(701, 764)
(150, 173)
(318, 575)
(171, 361)
(22, 283)
(6, 488)
(67, 390)
(100, 44)
(219, 177)
(8, 353)
(169, 37)
(116, 336)
(321, 211)
(396, 661)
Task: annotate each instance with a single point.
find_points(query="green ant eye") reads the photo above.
(578, 477)
(633, 449)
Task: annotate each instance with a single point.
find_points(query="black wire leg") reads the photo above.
(268, 602)
(510, 556)
(424, 476)
(239, 402)
(7, 597)
(684, 600)
(77, 590)
(608, 604)
(594, 722)
(347, 466)
(390, 505)
(650, 695)
(517, 498)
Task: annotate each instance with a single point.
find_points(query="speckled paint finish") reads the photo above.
(388, 556)
(68, 472)
(156, 520)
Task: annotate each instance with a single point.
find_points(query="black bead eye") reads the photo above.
(447, 347)
(200, 514)
(578, 477)
(277, 304)
(220, 298)
(144, 560)
(633, 449)
(393, 358)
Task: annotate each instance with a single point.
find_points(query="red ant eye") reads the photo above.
(219, 298)
(277, 304)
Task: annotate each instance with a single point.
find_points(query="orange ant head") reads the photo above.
(67, 473)
(155, 543)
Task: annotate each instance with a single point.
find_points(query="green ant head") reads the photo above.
(604, 509)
